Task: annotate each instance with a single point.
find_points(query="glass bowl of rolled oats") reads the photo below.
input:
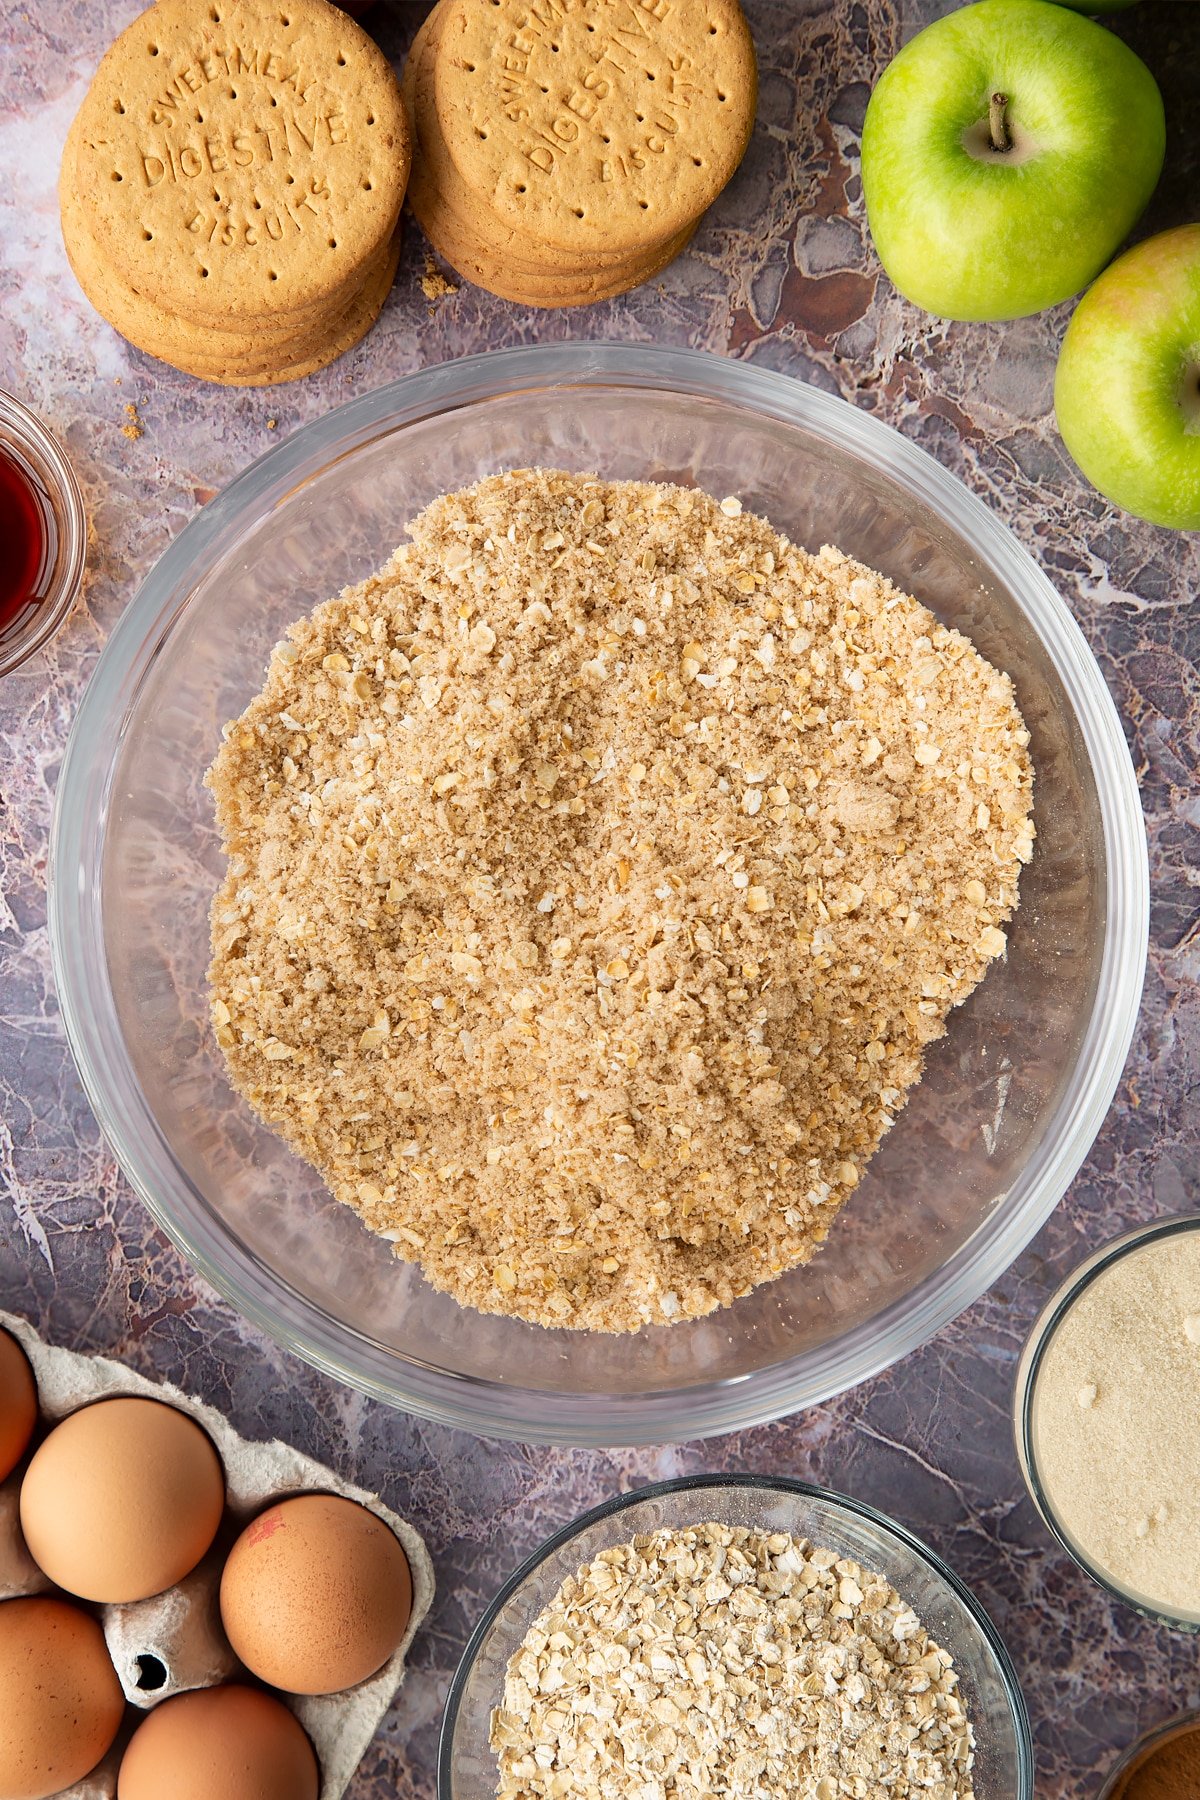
(743, 1635)
(579, 899)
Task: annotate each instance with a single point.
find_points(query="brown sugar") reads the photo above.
(1170, 1772)
(598, 872)
(1118, 1373)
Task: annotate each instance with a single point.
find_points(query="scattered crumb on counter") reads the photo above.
(434, 284)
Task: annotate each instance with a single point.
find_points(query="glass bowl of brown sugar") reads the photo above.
(1107, 1389)
(1011, 1098)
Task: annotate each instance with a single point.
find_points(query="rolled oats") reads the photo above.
(720, 1660)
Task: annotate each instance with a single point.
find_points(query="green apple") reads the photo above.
(1127, 391)
(1098, 6)
(1007, 151)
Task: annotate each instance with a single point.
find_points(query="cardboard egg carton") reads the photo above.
(174, 1642)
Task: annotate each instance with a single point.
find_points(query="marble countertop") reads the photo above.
(781, 274)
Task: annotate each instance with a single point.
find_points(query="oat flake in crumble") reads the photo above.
(718, 1660)
(598, 872)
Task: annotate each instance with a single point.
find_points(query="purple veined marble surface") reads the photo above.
(780, 273)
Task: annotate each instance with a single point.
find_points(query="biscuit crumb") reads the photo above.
(133, 428)
(505, 951)
(434, 284)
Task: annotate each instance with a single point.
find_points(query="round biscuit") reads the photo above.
(497, 275)
(443, 186)
(489, 265)
(216, 355)
(442, 222)
(356, 323)
(151, 327)
(230, 357)
(595, 124)
(238, 160)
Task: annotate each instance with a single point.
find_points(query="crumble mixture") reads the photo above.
(721, 1660)
(598, 872)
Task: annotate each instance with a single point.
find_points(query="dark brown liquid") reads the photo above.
(24, 546)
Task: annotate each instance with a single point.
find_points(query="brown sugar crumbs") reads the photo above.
(598, 872)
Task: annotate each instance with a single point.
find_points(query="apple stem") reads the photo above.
(998, 123)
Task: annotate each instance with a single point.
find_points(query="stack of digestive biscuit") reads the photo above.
(231, 186)
(565, 150)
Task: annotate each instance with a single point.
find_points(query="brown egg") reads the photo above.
(316, 1594)
(18, 1403)
(223, 1743)
(61, 1701)
(122, 1500)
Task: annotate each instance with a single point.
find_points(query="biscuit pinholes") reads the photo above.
(613, 122)
(574, 142)
(244, 156)
(238, 167)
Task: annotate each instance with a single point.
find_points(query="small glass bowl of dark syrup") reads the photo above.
(43, 535)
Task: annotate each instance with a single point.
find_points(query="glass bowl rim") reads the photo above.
(779, 1484)
(1155, 1734)
(494, 1408)
(70, 517)
(1029, 1366)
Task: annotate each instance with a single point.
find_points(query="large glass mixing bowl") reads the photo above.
(1013, 1095)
